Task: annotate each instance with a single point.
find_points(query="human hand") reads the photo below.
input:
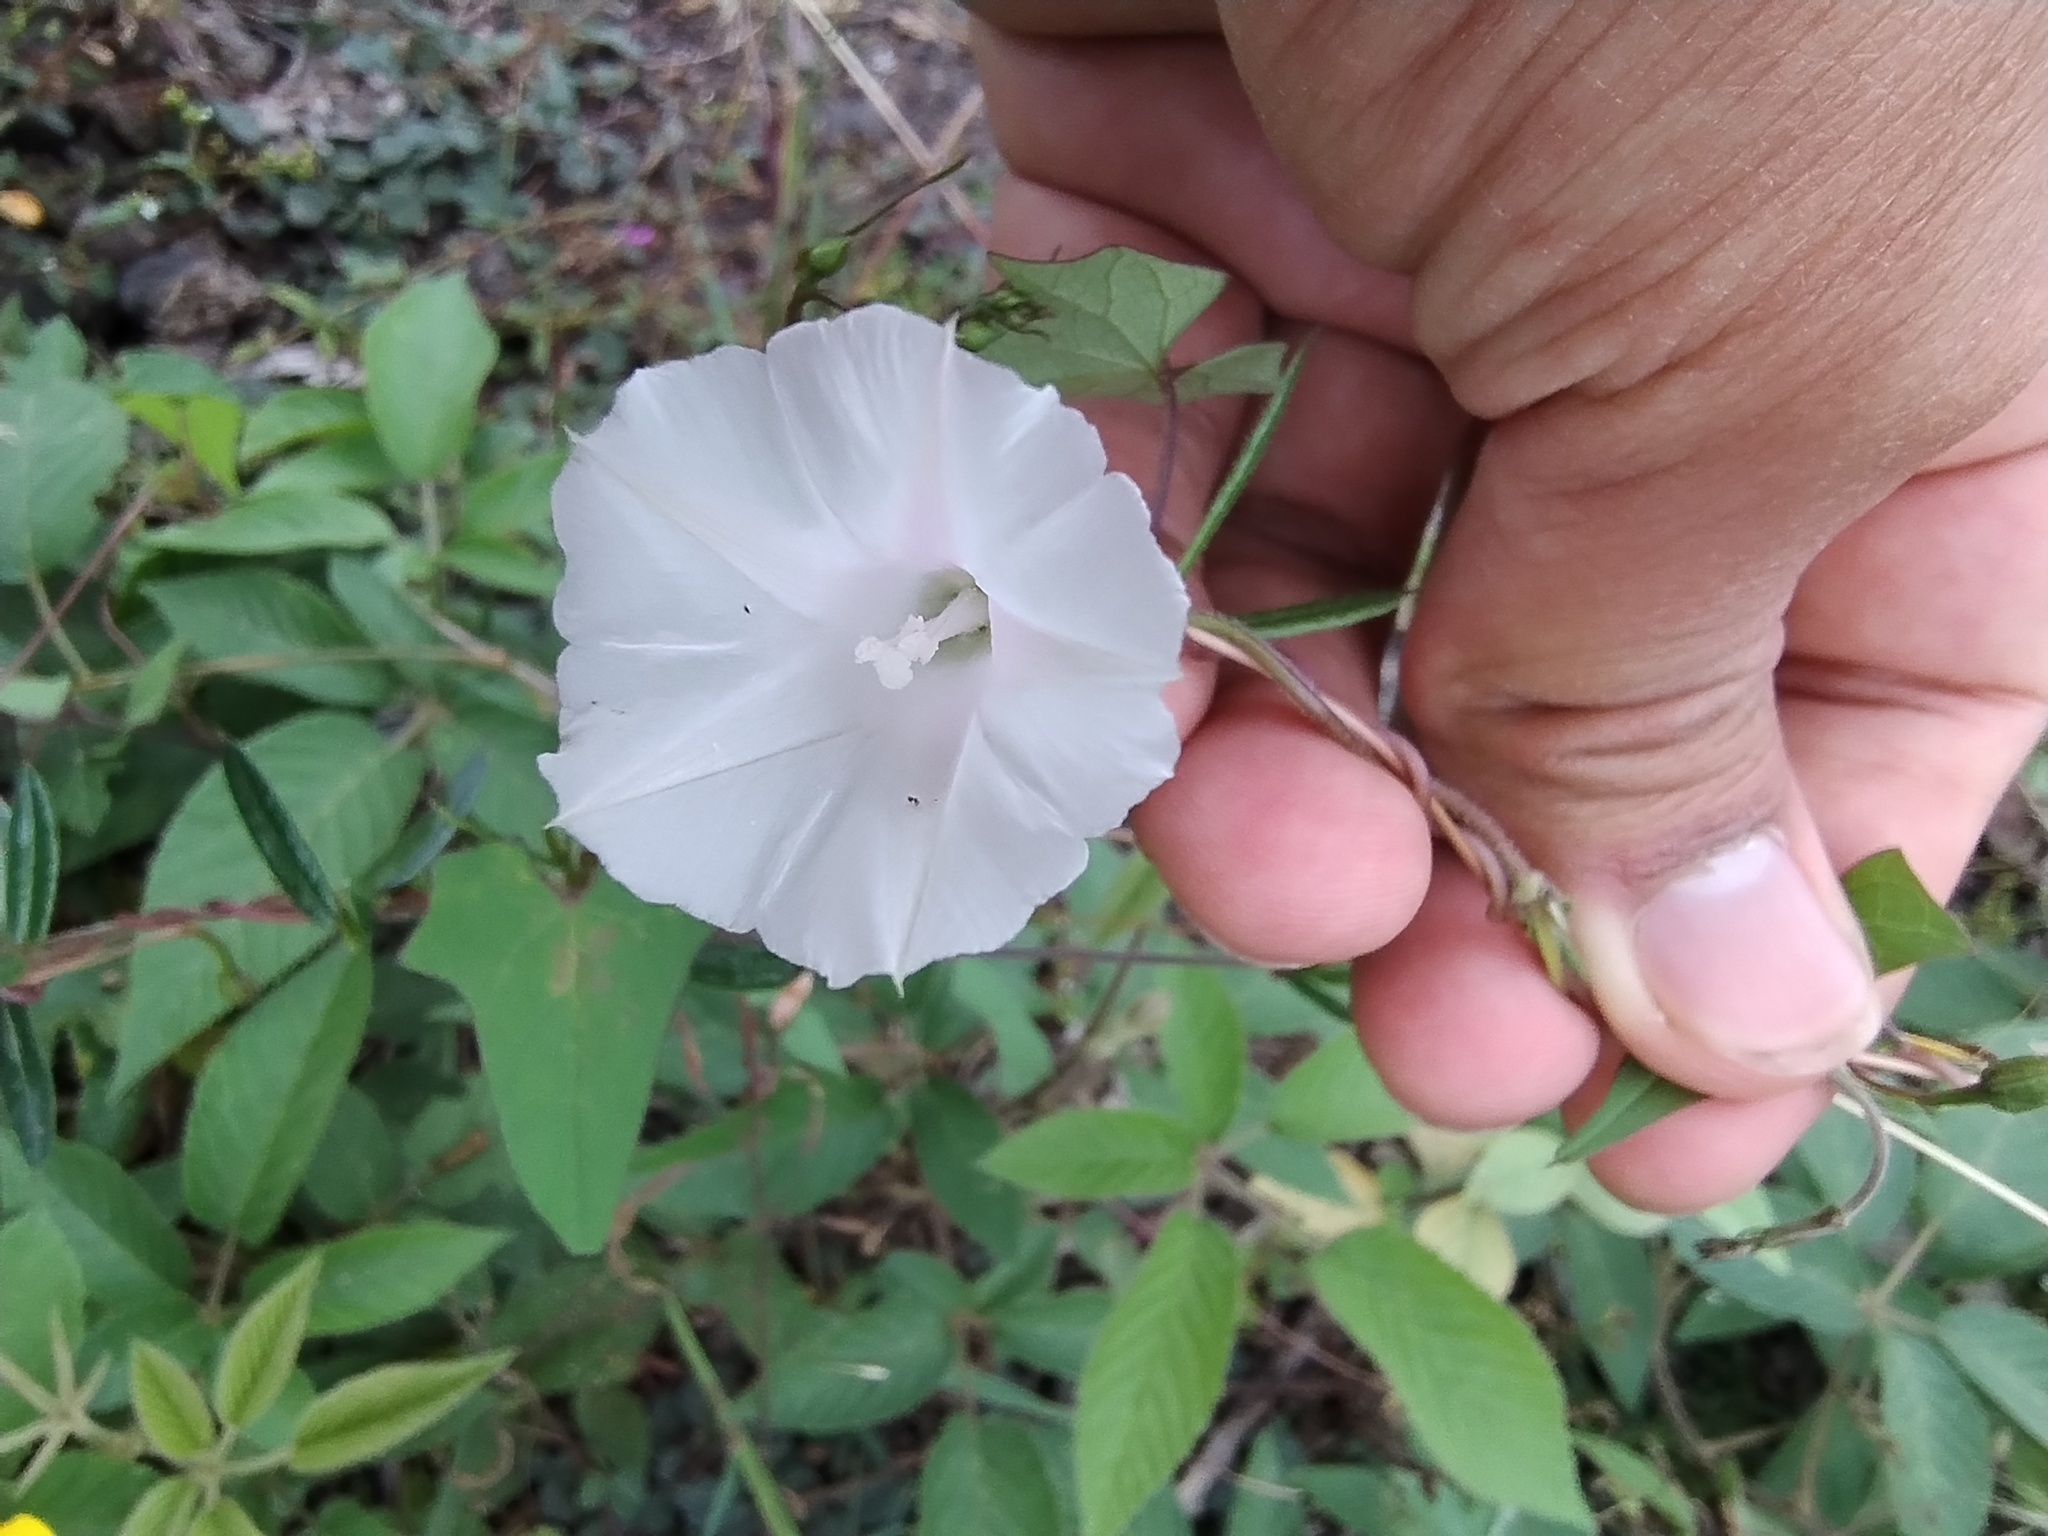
(1752, 579)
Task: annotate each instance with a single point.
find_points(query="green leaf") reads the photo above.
(1334, 1095)
(206, 426)
(348, 463)
(1975, 1233)
(168, 1403)
(280, 522)
(1246, 464)
(1636, 1481)
(149, 692)
(257, 619)
(1004, 999)
(61, 444)
(425, 358)
(1103, 324)
(367, 1415)
(428, 838)
(291, 863)
(2005, 1352)
(1613, 1292)
(40, 1280)
(295, 416)
(854, 1371)
(571, 999)
(128, 1252)
(381, 1274)
(804, 1144)
(984, 1478)
(261, 1353)
(1902, 923)
(262, 1102)
(28, 1095)
(732, 966)
(1962, 994)
(227, 1518)
(1264, 1504)
(1255, 368)
(1092, 1154)
(1478, 1390)
(345, 1517)
(1156, 1372)
(1937, 1456)
(168, 1509)
(1818, 1283)
(356, 1167)
(83, 1491)
(514, 500)
(53, 350)
(503, 566)
(346, 787)
(1637, 1098)
(36, 699)
(951, 1129)
(1518, 1174)
(1052, 1331)
(613, 1423)
(1204, 1048)
(1324, 614)
(2014, 1086)
(33, 861)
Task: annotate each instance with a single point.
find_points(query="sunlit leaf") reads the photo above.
(1636, 1099)
(1156, 1371)
(1477, 1388)
(1902, 922)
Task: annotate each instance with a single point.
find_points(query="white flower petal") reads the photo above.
(725, 847)
(1077, 728)
(637, 574)
(863, 644)
(703, 443)
(655, 725)
(1089, 572)
(857, 395)
(1014, 454)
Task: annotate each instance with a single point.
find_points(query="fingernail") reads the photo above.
(1740, 955)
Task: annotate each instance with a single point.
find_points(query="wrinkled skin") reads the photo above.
(1754, 296)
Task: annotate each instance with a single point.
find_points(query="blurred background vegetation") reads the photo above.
(205, 201)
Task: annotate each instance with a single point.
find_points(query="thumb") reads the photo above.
(1597, 668)
(1722, 286)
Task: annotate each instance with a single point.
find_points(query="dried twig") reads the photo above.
(924, 155)
(54, 617)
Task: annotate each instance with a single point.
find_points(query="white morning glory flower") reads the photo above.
(864, 641)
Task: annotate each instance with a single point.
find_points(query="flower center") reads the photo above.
(896, 659)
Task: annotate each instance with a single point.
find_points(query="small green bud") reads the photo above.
(2016, 1085)
(826, 257)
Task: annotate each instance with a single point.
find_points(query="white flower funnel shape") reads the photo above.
(864, 642)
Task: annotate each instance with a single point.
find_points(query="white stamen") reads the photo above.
(919, 639)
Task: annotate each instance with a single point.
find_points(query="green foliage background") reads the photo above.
(406, 1175)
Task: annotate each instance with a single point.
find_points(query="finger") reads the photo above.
(1916, 676)
(1163, 131)
(1279, 843)
(1702, 1155)
(1701, 375)
(1914, 688)
(1465, 1029)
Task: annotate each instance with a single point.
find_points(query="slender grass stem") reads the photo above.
(767, 1494)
